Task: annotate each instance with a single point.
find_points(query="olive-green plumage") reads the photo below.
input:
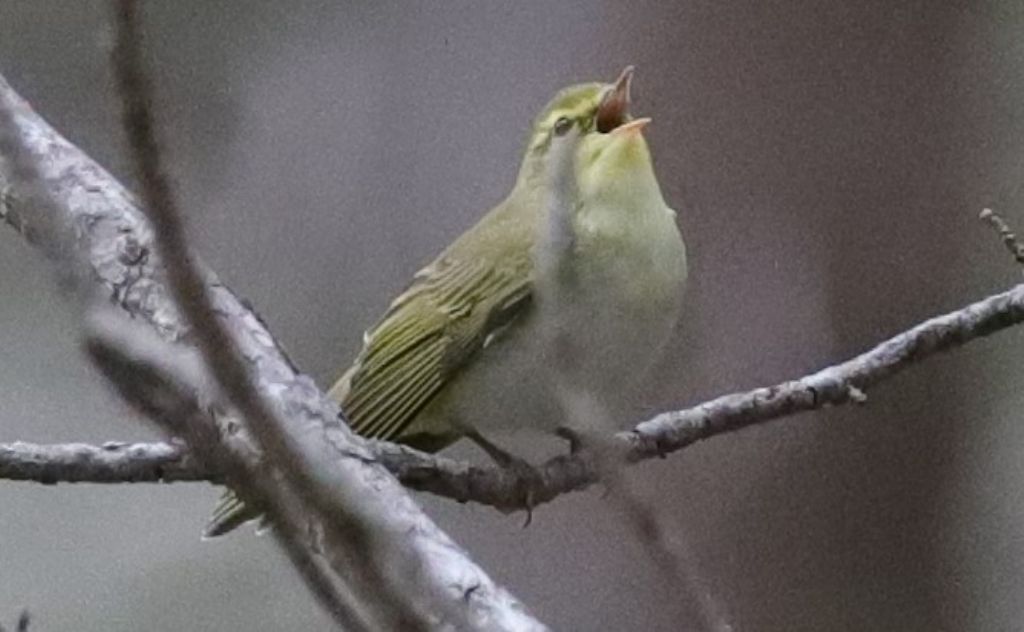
(460, 350)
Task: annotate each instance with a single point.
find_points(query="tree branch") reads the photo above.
(111, 462)
(671, 431)
(168, 384)
(355, 537)
(114, 238)
(668, 432)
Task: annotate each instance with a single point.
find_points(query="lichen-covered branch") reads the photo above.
(167, 383)
(115, 239)
(112, 462)
(668, 432)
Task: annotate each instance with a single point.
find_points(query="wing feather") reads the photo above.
(429, 334)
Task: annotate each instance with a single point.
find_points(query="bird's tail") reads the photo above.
(229, 514)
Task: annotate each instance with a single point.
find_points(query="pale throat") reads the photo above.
(620, 196)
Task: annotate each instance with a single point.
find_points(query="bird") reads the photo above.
(467, 349)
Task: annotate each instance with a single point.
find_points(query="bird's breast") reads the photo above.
(614, 314)
(623, 302)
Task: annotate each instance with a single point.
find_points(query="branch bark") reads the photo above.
(115, 239)
(111, 462)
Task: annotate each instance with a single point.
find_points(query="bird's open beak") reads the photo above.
(614, 108)
(632, 127)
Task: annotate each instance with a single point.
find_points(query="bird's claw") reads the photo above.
(528, 482)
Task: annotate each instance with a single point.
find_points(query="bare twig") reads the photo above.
(1003, 229)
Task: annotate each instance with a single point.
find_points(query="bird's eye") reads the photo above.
(562, 126)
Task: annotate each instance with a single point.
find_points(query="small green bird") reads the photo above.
(462, 351)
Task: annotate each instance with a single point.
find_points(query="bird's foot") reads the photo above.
(528, 479)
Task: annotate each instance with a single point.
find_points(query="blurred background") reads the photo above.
(828, 161)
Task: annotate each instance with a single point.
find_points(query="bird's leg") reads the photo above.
(571, 435)
(528, 479)
(601, 449)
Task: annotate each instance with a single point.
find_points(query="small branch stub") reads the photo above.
(857, 396)
(1003, 229)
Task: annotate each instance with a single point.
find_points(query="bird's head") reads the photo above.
(611, 153)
